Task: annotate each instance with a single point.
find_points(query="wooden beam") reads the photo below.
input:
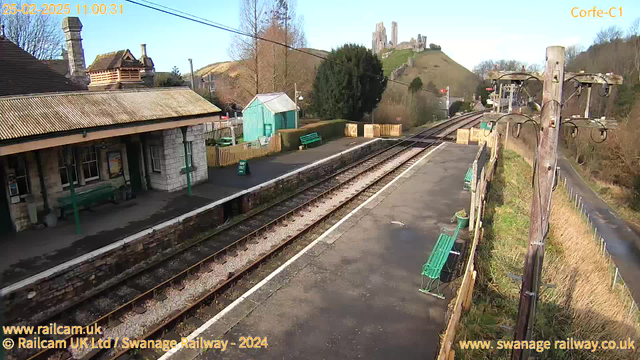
(512, 75)
(593, 122)
(99, 134)
(584, 78)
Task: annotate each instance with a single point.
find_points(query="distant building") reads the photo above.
(121, 70)
(379, 39)
(394, 34)
(266, 113)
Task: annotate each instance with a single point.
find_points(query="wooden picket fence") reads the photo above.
(229, 155)
(484, 166)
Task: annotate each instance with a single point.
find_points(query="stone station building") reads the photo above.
(110, 138)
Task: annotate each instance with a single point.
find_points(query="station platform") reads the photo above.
(353, 292)
(32, 251)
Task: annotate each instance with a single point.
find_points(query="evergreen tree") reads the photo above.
(348, 84)
(415, 86)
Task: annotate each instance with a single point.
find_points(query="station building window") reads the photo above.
(156, 158)
(21, 175)
(62, 168)
(89, 161)
(189, 154)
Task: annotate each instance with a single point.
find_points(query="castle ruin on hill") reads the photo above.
(380, 42)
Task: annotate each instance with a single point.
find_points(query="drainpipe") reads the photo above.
(43, 187)
(68, 154)
(186, 158)
(146, 161)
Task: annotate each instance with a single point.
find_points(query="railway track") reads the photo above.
(213, 263)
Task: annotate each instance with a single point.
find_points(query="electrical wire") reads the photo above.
(187, 16)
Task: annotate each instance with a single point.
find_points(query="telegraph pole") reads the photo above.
(544, 178)
(192, 81)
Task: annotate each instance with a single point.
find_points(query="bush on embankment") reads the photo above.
(327, 130)
(582, 304)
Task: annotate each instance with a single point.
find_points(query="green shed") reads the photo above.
(266, 113)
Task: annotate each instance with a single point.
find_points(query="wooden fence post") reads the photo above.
(466, 305)
(474, 184)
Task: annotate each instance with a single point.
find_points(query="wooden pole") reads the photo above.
(506, 138)
(541, 202)
(466, 305)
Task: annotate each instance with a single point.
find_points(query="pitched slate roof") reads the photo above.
(275, 102)
(114, 60)
(60, 66)
(21, 73)
(32, 115)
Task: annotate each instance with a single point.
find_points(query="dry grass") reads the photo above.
(581, 305)
(615, 196)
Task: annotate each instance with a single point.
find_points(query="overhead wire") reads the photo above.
(190, 17)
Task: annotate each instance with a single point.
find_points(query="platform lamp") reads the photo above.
(298, 96)
(67, 153)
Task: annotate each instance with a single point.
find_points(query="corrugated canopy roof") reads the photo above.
(275, 102)
(30, 115)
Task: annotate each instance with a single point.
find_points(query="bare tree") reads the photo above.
(571, 52)
(285, 27)
(38, 34)
(502, 65)
(610, 34)
(532, 68)
(634, 28)
(633, 37)
(246, 49)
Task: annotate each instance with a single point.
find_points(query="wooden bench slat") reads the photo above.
(310, 138)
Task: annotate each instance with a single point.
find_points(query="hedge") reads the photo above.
(326, 129)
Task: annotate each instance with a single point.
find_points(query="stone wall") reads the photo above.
(50, 169)
(57, 289)
(174, 157)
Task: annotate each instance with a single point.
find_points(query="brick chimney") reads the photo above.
(148, 73)
(71, 26)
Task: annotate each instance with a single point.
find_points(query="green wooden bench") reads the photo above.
(310, 139)
(467, 179)
(87, 198)
(432, 269)
(224, 141)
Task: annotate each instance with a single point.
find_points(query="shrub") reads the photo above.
(330, 129)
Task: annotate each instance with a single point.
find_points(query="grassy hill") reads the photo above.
(302, 69)
(436, 67)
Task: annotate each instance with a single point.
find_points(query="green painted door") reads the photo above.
(268, 130)
(5, 216)
(133, 158)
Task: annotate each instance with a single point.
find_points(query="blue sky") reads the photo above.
(468, 31)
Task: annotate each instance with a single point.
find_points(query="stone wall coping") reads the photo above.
(120, 243)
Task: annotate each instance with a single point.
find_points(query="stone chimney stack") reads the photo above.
(71, 26)
(148, 73)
